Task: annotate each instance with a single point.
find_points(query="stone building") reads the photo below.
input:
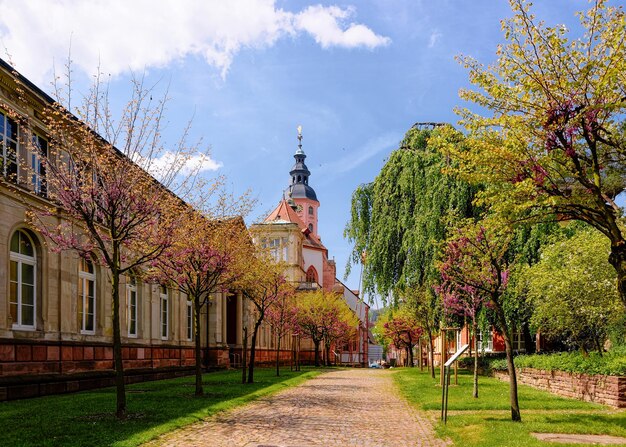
(55, 308)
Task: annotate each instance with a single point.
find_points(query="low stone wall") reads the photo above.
(606, 390)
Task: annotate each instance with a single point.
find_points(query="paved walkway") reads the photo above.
(355, 407)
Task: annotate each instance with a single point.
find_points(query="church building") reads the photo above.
(291, 231)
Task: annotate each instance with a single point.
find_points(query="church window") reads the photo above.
(311, 275)
(310, 211)
(311, 228)
(299, 179)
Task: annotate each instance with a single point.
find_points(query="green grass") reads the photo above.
(486, 421)
(87, 418)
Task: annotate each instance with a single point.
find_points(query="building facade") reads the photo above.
(291, 232)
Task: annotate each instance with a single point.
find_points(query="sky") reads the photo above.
(356, 75)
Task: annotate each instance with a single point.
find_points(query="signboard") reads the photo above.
(456, 355)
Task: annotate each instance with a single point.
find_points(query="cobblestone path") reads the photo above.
(355, 407)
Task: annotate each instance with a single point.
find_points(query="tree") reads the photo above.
(403, 331)
(325, 317)
(461, 298)
(425, 307)
(554, 143)
(263, 285)
(401, 218)
(572, 290)
(112, 211)
(202, 260)
(475, 260)
(282, 319)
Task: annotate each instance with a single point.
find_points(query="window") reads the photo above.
(131, 297)
(164, 312)
(22, 281)
(189, 321)
(38, 165)
(311, 275)
(488, 339)
(8, 147)
(518, 342)
(311, 228)
(310, 210)
(87, 297)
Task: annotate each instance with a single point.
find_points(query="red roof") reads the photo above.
(285, 212)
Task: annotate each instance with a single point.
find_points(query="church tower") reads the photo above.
(299, 191)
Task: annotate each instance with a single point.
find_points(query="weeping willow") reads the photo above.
(399, 221)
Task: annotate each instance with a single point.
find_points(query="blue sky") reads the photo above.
(356, 75)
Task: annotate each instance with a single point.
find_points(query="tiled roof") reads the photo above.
(284, 212)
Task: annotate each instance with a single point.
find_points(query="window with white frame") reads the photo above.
(8, 147)
(38, 165)
(487, 339)
(87, 297)
(22, 281)
(189, 321)
(164, 312)
(131, 298)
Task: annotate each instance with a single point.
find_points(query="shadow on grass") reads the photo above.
(87, 418)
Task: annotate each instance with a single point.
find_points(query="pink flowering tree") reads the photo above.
(404, 333)
(462, 299)
(474, 267)
(201, 261)
(112, 212)
(104, 201)
(282, 317)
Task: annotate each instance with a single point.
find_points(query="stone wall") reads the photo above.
(606, 390)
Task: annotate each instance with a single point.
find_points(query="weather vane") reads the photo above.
(300, 136)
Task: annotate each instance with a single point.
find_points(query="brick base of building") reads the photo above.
(606, 390)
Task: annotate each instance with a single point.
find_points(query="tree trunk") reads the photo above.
(410, 348)
(475, 330)
(515, 412)
(327, 351)
(617, 259)
(198, 346)
(244, 355)
(420, 358)
(431, 354)
(278, 355)
(529, 342)
(253, 349)
(316, 343)
(120, 410)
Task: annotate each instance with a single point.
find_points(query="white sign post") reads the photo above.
(446, 382)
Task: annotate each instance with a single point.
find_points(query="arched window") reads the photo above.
(299, 179)
(310, 211)
(131, 298)
(22, 281)
(311, 274)
(311, 228)
(87, 297)
(164, 312)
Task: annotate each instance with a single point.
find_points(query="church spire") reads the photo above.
(299, 187)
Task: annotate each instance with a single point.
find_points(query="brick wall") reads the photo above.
(607, 390)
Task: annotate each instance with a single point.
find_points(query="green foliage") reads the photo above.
(612, 363)
(401, 218)
(572, 290)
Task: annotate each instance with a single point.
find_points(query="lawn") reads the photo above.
(87, 418)
(486, 421)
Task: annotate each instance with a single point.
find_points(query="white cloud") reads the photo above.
(325, 25)
(434, 37)
(169, 163)
(136, 34)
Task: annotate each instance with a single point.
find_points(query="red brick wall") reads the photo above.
(24, 358)
(607, 390)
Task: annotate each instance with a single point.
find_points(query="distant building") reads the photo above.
(291, 232)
